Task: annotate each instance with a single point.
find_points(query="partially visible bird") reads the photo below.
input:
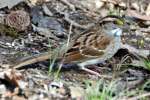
(93, 46)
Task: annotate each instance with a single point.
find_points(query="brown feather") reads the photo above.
(74, 57)
(88, 45)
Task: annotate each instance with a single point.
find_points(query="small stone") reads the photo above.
(50, 23)
(99, 4)
(56, 85)
(135, 6)
(77, 92)
(133, 40)
(147, 39)
(2, 89)
(122, 4)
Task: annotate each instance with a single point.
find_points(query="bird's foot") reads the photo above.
(95, 73)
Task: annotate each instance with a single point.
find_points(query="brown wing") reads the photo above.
(88, 46)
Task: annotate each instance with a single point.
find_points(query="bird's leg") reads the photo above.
(90, 71)
(82, 67)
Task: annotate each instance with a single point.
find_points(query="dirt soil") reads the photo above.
(33, 27)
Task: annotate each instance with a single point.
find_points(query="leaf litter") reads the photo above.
(44, 25)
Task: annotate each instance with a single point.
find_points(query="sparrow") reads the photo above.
(95, 45)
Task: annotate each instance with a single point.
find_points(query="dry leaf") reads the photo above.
(138, 52)
(13, 77)
(148, 10)
(9, 3)
(34, 2)
(133, 13)
(138, 63)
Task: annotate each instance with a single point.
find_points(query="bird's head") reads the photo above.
(116, 26)
(113, 30)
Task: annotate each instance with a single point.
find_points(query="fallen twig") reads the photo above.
(134, 51)
(137, 97)
(71, 6)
